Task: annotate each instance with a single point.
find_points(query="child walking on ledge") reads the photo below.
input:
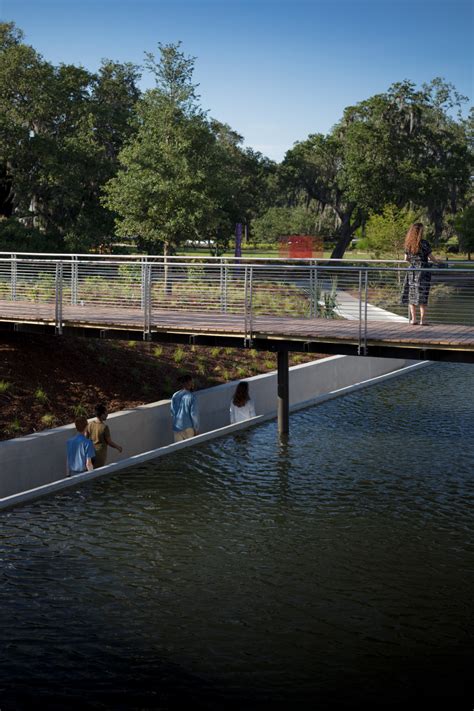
(99, 433)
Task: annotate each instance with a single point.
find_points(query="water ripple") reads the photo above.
(244, 570)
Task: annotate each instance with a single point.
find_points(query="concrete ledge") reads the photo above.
(58, 485)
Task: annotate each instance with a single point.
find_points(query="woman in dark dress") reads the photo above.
(416, 288)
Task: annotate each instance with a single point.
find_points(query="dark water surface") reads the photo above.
(334, 572)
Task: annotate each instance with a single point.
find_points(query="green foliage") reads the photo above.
(43, 289)
(179, 355)
(16, 237)
(41, 396)
(168, 386)
(86, 159)
(158, 351)
(400, 147)
(48, 420)
(165, 190)
(326, 301)
(79, 410)
(15, 426)
(130, 273)
(195, 272)
(201, 368)
(281, 221)
(385, 233)
(5, 386)
(60, 130)
(464, 226)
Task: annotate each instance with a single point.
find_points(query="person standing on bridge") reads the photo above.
(416, 288)
(184, 410)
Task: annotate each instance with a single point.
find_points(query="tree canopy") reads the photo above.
(182, 176)
(61, 129)
(402, 147)
(87, 159)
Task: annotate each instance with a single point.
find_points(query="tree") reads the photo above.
(312, 174)
(385, 232)
(404, 147)
(464, 226)
(166, 189)
(245, 182)
(282, 221)
(401, 147)
(60, 132)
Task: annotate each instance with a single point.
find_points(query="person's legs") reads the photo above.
(422, 313)
(413, 313)
(183, 434)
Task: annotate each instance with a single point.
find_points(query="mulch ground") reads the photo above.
(47, 381)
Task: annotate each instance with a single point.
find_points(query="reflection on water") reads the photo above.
(334, 570)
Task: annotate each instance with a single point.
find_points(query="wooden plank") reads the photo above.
(449, 336)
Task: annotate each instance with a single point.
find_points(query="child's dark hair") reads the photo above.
(241, 395)
(81, 424)
(100, 409)
(185, 379)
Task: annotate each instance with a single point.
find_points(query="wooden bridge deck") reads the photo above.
(383, 336)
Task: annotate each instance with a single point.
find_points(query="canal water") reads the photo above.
(334, 571)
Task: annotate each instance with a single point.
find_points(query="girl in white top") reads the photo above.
(241, 407)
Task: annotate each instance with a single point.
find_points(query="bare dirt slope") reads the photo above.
(47, 381)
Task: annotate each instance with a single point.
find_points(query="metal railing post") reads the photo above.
(221, 283)
(13, 276)
(146, 300)
(58, 315)
(365, 309)
(143, 265)
(74, 279)
(314, 290)
(250, 323)
(360, 313)
(245, 304)
(226, 286)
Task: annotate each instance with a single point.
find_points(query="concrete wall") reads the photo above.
(39, 459)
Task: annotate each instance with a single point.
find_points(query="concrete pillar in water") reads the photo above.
(283, 393)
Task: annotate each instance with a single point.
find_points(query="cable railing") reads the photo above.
(67, 256)
(143, 293)
(348, 259)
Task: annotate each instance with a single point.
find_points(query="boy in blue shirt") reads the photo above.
(184, 410)
(80, 450)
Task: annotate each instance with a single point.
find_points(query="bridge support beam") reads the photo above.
(283, 393)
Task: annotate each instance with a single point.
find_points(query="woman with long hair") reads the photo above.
(416, 288)
(241, 407)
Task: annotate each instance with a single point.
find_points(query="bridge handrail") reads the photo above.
(366, 266)
(68, 255)
(209, 259)
(370, 290)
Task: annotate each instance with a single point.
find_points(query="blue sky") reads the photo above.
(275, 70)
